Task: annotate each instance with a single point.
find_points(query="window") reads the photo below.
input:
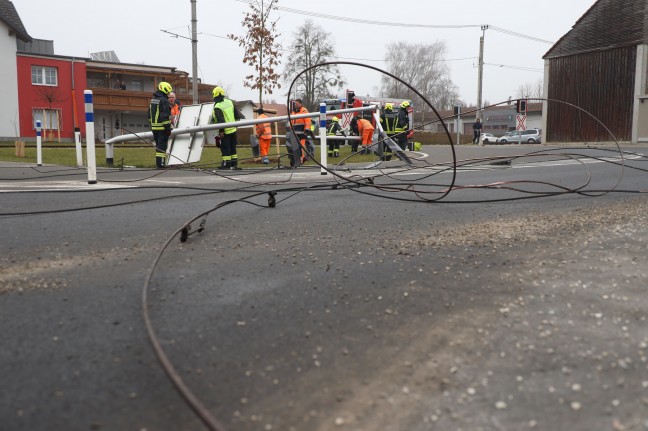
(43, 75)
(49, 118)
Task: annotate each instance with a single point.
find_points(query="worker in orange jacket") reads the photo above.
(175, 109)
(300, 125)
(264, 133)
(365, 130)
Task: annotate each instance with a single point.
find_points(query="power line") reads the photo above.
(527, 69)
(397, 24)
(524, 36)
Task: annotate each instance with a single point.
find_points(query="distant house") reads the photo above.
(12, 31)
(122, 93)
(600, 65)
(51, 91)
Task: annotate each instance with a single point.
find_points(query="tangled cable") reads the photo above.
(423, 181)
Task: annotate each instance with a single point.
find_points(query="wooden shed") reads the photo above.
(597, 71)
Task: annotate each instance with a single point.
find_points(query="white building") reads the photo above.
(11, 30)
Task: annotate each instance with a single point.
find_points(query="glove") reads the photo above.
(167, 130)
(217, 140)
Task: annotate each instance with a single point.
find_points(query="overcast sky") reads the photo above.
(133, 30)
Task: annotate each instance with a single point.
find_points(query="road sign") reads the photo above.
(521, 122)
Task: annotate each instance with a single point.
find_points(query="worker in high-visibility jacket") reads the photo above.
(264, 134)
(388, 121)
(402, 125)
(365, 130)
(224, 111)
(160, 121)
(300, 126)
(332, 130)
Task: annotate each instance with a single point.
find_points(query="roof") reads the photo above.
(9, 16)
(607, 24)
(279, 108)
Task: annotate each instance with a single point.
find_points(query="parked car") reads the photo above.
(487, 138)
(530, 136)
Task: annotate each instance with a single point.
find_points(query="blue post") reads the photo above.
(39, 146)
(90, 137)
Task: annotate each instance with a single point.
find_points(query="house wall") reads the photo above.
(62, 96)
(9, 118)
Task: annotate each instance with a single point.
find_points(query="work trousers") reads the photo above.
(228, 150)
(161, 143)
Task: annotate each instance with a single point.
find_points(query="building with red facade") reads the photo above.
(50, 89)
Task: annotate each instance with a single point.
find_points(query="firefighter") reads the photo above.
(402, 125)
(333, 143)
(224, 111)
(389, 120)
(159, 119)
(365, 130)
(300, 126)
(264, 134)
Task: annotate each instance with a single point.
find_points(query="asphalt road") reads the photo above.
(385, 303)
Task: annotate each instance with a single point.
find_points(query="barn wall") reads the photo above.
(602, 85)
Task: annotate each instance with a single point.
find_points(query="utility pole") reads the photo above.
(194, 52)
(480, 71)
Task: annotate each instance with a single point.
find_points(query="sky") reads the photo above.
(134, 30)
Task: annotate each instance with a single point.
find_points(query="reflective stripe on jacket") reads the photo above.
(263, 129)
(389, 120)
(304, 122)
(333, 128)
(227, 108)
(159, 112)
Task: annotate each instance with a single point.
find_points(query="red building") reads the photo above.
(50, 89)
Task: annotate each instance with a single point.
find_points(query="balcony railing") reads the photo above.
(107, 99)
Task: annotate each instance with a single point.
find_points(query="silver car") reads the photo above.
(530, 136)
(487, 138)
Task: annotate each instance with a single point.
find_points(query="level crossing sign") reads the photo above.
(521, 122)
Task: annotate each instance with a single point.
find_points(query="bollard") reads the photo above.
(322, 133)
(90, 138)
(79, 150)
(39, 145)
(109, 154)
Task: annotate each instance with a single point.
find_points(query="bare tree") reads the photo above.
(423, 67)
(531, 90)
(50, 95)
(262, 51)
(311, 46)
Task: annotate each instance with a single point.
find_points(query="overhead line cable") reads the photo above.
(399, 24)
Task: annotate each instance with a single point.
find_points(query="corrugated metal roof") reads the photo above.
(606, 24)
(9, 16)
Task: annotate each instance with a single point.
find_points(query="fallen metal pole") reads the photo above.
(241, 123)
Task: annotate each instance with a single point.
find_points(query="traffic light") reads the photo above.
(350, 96)
(521, 106)
(456, 110)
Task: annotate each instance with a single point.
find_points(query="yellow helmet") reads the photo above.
(389, 106)
(335, 119)
(165, 87)
(405, 104)
(218, 91)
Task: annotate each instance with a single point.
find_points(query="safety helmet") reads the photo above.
(218, 91)
(389, 106)
(405, 104)
(165, 87)
(335, 119)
